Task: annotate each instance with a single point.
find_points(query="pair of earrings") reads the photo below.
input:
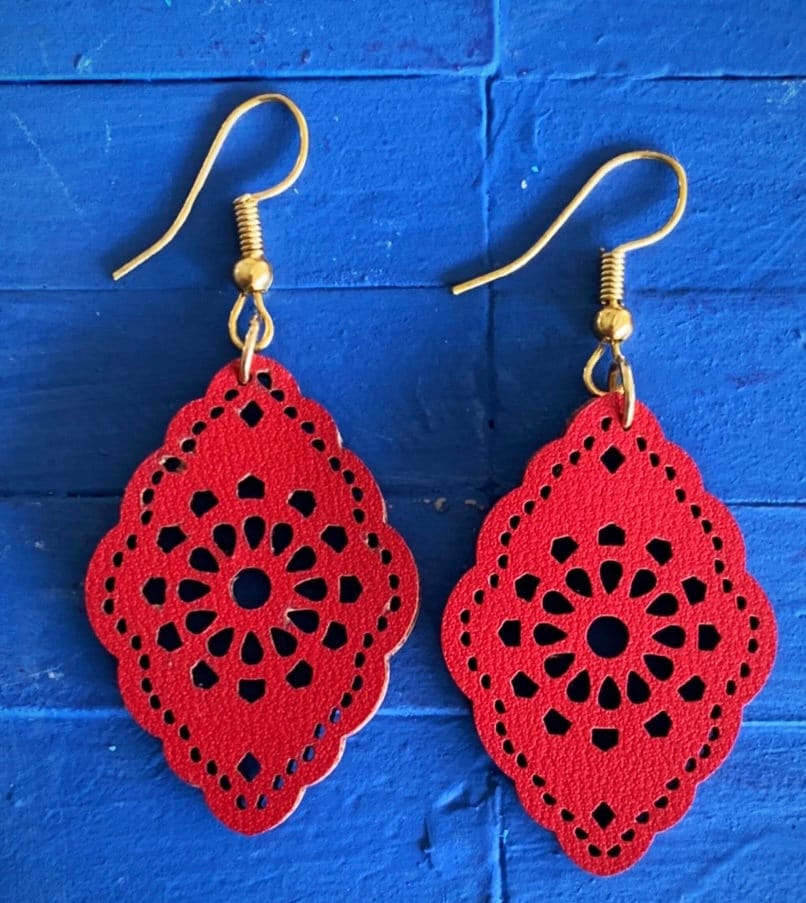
(253, 592)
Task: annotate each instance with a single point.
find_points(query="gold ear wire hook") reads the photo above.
(252, 273)
(613, 323)
(207, 165)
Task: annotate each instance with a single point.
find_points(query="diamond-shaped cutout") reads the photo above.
(694, 589)
(202, 502)
(556, 723)
(154, 590)
(563, 548)
(526, 586)
(300, 675)
(168, 637)
(612, 459)
(708, 637)
(611, 535)
(335, 537)
(693, 689)
(335, 636)
(349, 589)
(251, 414)
(603, 815)
(250, 487)
(523, 686)
(203, 676)
(304, 501)
(249, 767)
(659, 725)
(604, 738)
(251, 690)
(510, 633)
(660, 550)
(170, 537)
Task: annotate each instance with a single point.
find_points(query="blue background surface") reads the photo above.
(445, 135)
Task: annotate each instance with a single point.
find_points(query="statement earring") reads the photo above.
(252, 591)
(608, 635)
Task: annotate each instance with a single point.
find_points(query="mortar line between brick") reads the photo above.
(498, 891)
(346, 75)
(66, 713)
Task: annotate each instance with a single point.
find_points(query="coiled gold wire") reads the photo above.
(247, 219)
(611, 282)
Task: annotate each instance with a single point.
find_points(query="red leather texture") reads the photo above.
(608, 635)
(252, 594)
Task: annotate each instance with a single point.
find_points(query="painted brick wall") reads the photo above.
(444, 136)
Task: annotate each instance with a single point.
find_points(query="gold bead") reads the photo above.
(613, 324)
(253, 274)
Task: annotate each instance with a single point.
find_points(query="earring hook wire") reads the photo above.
(613, 323)
(204, 171)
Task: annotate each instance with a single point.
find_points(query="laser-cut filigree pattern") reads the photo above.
(608, 635)
(252, 593)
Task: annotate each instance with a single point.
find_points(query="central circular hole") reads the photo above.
(607, 636)
(251, 588)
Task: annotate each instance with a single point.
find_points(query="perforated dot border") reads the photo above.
(175, 464)
(726, 584)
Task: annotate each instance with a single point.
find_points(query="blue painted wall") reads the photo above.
(444, 136)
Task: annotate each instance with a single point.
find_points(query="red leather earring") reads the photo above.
(253, 591)
(608, 635)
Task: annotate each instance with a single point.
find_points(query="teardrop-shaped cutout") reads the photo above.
(307, 620)
(219, 643)
(610, 573)
(557, 665)
(225, 537)
(609, 694)
(284, 643)
(192, 590)
(578, 580)
(659, 666)
(302, 560)
(254, 529)
(672, 636)
(203, 560)
(579, 689)
(664, 606)
(637, 688)
(199, 621)
(643, 582)
(314, 590)
(282, 536)
(251, 650)
(548, 634)
(556, 604)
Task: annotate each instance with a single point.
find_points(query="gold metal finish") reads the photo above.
(252, 274)
(248, 351)
(613, 324)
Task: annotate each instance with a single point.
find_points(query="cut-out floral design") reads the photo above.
(253, 594)
(615, 684)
